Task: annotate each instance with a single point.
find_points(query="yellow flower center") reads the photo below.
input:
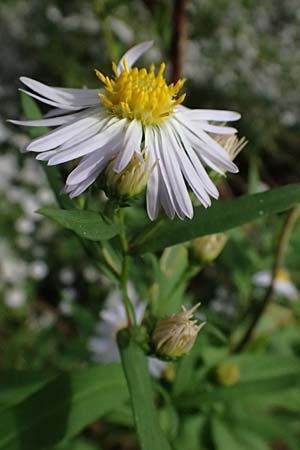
(140, 94)
(282, 275)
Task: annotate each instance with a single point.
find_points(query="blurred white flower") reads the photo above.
(45, 196)
(8, 170)
(91, 274)
(68, 297)
(66, 275)
(31, 173)
(24, 225)
(38, 270)
(44, 320)
(24, 242)
(14, 297)
(12, 269)
(283, 286)
(223, 303)
(103, 345)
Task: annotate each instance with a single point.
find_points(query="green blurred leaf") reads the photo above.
(190, 433)
(170, 280)
(32, 112)
(229, 438)
(87, 224)
(62, 408)
(16, 385)
(221, 216)
(146, 420)
(77, 444)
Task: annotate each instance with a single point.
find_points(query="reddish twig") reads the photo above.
(178, 38)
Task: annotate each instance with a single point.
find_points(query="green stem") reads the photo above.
(125, 270)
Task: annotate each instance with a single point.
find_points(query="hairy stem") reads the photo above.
(284, 237)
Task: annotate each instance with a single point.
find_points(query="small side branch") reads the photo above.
(278, 263)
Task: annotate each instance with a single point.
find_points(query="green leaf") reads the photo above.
(170, 280)
(146, 420)
(32, 112)
(221, 216)
(87, 224)
(227, 438)
(16, 385)
(62, 408)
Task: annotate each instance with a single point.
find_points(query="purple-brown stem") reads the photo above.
(178, 38)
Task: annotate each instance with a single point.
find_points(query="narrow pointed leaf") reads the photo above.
(87, 224)
(136, 370)
(62, 408)
(221, 216)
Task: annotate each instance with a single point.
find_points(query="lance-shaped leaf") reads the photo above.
(221, 216)
(62, 408)
(87, 224)
(136, 370)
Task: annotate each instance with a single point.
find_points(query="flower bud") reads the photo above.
(175, 335)
(228, 374)
(207, 248)
(232, 144)
(131, 181)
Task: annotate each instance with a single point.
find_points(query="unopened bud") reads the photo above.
(175, 335)
(228, 374)
(232, 144)
(207, 248)
(131, 181)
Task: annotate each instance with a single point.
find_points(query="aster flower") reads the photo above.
(135, 111)
(103, 345)
(283, 286)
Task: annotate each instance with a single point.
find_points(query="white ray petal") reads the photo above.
(82, 136)
(133, 54)
(62, 134)
(164, 189)
(180, 192)
(217, 129)
(109, 136)
(56, 112)
(217, 115)
(74, 97)
(84, 168)
(207, 183)
(132, 143)
(45, 156)
(48, 122)
(211, 164)
(81, 187)
(188, 170)
(207, 146)
(153, 182)
(51, 102)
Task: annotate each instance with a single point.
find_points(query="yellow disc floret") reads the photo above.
(140, 94)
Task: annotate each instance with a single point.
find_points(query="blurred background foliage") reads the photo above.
(242, 55)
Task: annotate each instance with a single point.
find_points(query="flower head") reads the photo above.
(283, 285)
(131, 181)
(135, 113)
(175, 335)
